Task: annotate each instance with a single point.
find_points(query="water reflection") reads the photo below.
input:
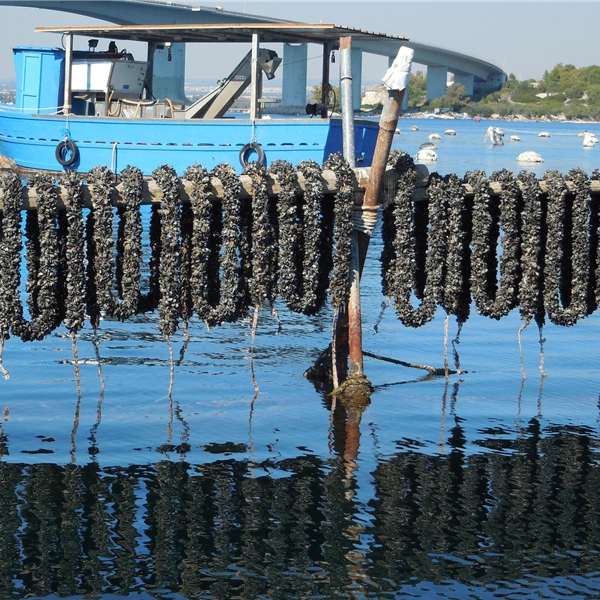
(514, 511)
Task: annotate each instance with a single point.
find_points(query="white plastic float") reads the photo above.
(426, 155)
(530, 157)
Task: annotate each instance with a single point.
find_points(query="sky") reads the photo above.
(523, 38)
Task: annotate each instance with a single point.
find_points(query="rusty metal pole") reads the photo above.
(354, 310)
(387, 128)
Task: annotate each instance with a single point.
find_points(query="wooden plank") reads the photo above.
(152, 194)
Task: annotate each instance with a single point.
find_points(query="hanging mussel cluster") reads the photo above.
(212, 258)
(532, 244)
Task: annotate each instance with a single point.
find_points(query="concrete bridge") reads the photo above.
(476, 75)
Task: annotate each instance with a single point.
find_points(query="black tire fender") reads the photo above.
(67, 152)
(248, 149)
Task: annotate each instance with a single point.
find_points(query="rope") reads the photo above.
(365, 219)
(169, 270)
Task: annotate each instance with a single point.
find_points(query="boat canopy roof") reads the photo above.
(231, 32)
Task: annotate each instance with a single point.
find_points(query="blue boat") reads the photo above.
(77, 109)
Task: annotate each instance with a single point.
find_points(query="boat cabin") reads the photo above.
(111, 83)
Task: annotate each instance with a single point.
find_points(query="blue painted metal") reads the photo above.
(31, 139)
(31, 130)
(36, 65)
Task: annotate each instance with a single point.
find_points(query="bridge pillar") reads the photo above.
(436, 82)
(467, 81)
(294, 76)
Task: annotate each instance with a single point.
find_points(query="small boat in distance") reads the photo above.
(81, 108)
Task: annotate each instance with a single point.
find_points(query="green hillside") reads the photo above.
(565, 92)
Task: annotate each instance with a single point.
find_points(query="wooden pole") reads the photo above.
(360, 240)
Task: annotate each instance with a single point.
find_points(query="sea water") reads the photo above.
(236, 477)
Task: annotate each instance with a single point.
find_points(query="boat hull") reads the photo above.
(31, 140)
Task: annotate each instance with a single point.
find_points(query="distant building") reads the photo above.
(374, 95)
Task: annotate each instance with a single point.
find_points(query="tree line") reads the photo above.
(565, 91)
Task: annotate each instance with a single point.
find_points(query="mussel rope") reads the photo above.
(339, 285)
(545, 256)
(456, 297)
(74, 280)
(100, 254)
(404, 167)
(533, 235)
(581, 236)
(185, 276)
(317, 241)
(45, 265)
(10, 255)
(227, 275)
(456, 292)
(595, 292)
(201, 238)
(402, 276)
(290, 235)
(75, 306)
(169, 271)
(149, 301)
(62, 268)
(263, 284)
(32, 261)
(130, 257)
(557, 273)
(492, 300)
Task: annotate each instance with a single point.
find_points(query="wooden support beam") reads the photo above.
(152, 194)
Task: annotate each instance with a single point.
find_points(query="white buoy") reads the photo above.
(530, 156)
(426, 155)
